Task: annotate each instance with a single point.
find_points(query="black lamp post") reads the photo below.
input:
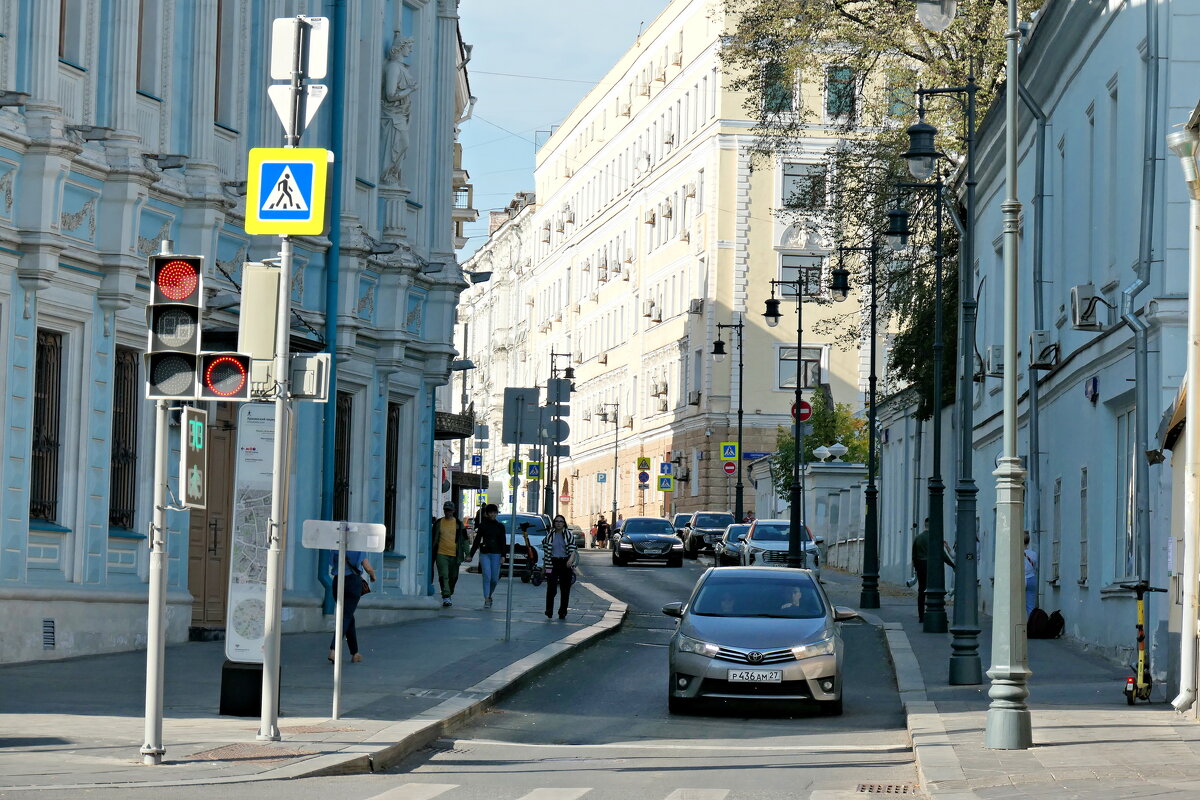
(840, 288)
(718, 354)
(797, 557)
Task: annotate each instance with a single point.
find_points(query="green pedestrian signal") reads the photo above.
(193, 458)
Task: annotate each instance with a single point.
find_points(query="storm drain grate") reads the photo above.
(248, 754)
(887, 788)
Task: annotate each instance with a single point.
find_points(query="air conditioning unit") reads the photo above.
(994, 360)
(629, 255)
(696, 306)
(557, 316)
(569, 215)
(685, 235)
(644, 89)
(661, 75)
(602, 358)
(1085, 312)
(615, 269)
(546, 233)
(669, 139)
(587, 416)
(647, 308)
(577, 357)
(666, 210)
(623, 109)
(559, 225)
(1043, 353)
(677, 58)
(602, 275)
(529, 301)
(656, 314)
(653, 388)
(575, 308)
(694, 397)
(627, 422)
(662, 389)
(545, 326)
(586, 266)
(689, 190)
(662, 405)
(649, 219)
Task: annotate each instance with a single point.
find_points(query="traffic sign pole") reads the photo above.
(152, 747)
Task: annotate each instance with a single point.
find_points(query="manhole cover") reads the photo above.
(248, 754)
(887, 788)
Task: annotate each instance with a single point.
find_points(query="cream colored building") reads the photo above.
(648, 229)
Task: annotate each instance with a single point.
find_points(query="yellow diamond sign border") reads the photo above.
(316, 223)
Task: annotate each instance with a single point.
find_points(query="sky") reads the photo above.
(560, 49)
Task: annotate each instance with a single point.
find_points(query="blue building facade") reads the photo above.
(127, 122)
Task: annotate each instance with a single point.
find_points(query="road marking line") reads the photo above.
(555, 794)
(416, 791)
(698, 794)
(813, 748)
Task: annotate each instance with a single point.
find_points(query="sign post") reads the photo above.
(152, 747)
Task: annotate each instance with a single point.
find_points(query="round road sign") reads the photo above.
(730, 467)
(805, 411)
(643, 477)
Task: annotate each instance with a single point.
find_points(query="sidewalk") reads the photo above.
(1087, 741)
(79, 723)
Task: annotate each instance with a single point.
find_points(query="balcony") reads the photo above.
(447, 425)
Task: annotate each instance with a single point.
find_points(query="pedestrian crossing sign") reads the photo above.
(666, 483)
(643, 463)
(533, 471)
(729, 451)
(285, 190)
(514, 466)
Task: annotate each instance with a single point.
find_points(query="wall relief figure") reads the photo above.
(398, 87)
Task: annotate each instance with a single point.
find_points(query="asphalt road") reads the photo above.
(597, 728)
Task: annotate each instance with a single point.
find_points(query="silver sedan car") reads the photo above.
(757, 634)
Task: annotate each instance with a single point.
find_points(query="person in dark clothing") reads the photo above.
(490, 542)
(920, 560)
(602, 533)
(356, 565)
(558, 560)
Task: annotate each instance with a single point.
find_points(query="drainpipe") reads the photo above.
(332, 258)
(1184, 144)
(1034, 498)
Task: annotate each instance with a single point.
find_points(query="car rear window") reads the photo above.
(737, 530)
(712, 520)
(750, 597)
(771, 533)
(537, 525)
(648, 526)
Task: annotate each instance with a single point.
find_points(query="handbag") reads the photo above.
(362, 580)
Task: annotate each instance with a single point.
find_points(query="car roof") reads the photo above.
(758, 573)
(654, 519)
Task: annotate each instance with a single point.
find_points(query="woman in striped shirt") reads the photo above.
(558, 560)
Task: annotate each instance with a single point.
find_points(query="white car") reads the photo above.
(766, 545)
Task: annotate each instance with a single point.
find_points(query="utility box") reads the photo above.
(257, 322)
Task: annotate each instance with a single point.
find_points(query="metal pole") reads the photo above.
(156, 620)
(738, 503)
(338, 623)
(935, 607)
(513, 482)
(869, 595)
(965, 666)
(797, 558)
(616, 459)
(1008, 725)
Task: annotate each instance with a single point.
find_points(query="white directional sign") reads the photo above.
(285, 190)
(283, 47)
(367, 537)
(281, 98)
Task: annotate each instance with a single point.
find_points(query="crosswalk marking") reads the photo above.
(555, 794)
(698, 794)
(416, 791)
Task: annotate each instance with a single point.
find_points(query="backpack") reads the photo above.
(1055, 626)
(1038, 626)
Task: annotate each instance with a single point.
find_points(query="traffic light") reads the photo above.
(173, 318)
(224, 376)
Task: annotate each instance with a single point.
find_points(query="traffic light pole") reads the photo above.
(152, 747)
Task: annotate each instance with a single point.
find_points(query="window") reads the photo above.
(805, 268)
(1125, 494)
(804, 186)
(1083, 525)
(343, 424)
(839, 93)
(391, 482)
(47, 427)
(224, 111)
(70, 31)
(149, 46)
(778, 88)
(127, 396)
(811, 364)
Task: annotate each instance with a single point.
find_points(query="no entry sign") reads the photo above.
(805, 411)
(730, 467)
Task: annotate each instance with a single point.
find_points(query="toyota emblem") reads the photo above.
(754, 657)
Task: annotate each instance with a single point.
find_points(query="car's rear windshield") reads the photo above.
(680, 520)
(736, 530)
(537, 525)
(751, 597)
(648, 526)
(712, 520)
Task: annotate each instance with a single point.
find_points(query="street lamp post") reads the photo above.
(840, 287)
(616, 418)
(718, 354)
(797, 557)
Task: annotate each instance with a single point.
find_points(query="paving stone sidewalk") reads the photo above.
(80, 722)
(1088, 743)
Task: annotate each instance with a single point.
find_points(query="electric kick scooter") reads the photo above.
(1137, 686)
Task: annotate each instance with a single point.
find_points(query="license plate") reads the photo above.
(755, 676)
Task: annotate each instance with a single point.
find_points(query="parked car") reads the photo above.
(679, 522)
(580, 536)
(766, 544)
(703, 530)
(757, 635)
(539, 526)
(727, 552)
(647, 539)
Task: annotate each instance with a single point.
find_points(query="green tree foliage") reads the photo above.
(831, 422)
(859, 62)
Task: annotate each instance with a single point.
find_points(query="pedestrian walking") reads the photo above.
(452, 547)
(1031, 568)
(491, 543)
(920, 561)
(602, 533)
(559, 556)
(356, 565)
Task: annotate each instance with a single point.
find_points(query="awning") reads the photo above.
(1171, 426)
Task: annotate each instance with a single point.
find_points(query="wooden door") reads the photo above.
(208, 533)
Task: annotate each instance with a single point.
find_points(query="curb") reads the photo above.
(410, 735)
(938, 767)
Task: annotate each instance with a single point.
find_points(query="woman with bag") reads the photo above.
(491, 543)
(356, 587)
(559, 556)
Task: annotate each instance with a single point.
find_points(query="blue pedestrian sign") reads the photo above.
(729, 451)
(666, 468)
(285, 190)
(666, 483)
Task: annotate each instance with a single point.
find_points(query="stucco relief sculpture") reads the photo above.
(398, 87)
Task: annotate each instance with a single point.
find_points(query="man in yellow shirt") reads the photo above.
(450, 547)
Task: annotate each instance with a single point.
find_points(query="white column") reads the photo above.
(204, 82)
(43, 57)
(123, 76)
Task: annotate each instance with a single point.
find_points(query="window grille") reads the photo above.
(1083, 525)
(122, 494)
(391, 490)
(341, 455)
(47, 427)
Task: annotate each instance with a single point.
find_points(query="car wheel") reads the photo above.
(831, 708)
(678, 705)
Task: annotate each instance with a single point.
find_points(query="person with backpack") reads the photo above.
(1031, 570)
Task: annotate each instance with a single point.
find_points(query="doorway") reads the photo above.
(208, 531)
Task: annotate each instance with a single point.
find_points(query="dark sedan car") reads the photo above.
(727, 552)
(647, 539)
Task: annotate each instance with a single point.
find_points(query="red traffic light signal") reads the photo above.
(177, 279)
(224, 376)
